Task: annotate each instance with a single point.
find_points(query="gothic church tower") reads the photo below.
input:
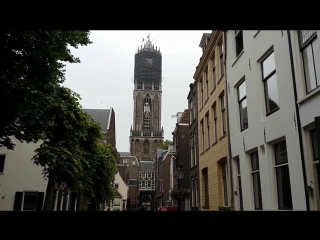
(146, 133)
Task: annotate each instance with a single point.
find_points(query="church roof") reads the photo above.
(102, 116)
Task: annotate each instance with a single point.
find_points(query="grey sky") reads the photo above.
(104, 78)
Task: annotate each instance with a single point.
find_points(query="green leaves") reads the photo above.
(166, 144)
(35, 107)
(31, 67)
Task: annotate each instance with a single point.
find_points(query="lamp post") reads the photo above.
(180, 176)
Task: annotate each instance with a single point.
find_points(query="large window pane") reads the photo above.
(316, 56)
(242, 90)
(254, 161)
(30, 201)
(257, 190)
(309, 68)
(306, 34)
(284, 187)
(281, 156)
(240, 193)
(268, 65)
(314, 145)
(272, 98)
(244, 114)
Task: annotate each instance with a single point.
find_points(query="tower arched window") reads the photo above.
(146, 147)
(147, 112)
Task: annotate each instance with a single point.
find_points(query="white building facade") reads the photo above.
(267, 164)
(22, 186)
(120, 201)
(306, 58)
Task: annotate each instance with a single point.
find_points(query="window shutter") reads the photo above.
(18, 201)
(40, 201)
(317, 122)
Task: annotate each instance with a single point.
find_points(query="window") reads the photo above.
(149, 184)
(208, 130)
(221, 60)
(309, 45)
(156, 86)
(149, 174)
(116, 186)
(239, 184)
(205, 186)
(223, 115)
(140, 184)
(242, 100)
(224, 182)
(202, 139)
(315, 149)
(256, 181)
(143, 184)
(146, 147)
(239, 42)
(2, 159)
(201, 84)
(215, 123)
(144, 174)
(139, 85)
(195, 148)
(270, 84)
(30, 201)
(214, 80)
(194, 106)
(193, 195)
(148, 86)
(147, 112)
(191, 111)
(191, 151)
(152, 184)
(196, 190)
(140, 175)
(133, 163)
(315, 155)
(207, 85)
(153, 175)
(282, 176)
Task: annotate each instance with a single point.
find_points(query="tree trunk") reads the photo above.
(60, 197)
(49, 194)
(73, 201)
(65, 200)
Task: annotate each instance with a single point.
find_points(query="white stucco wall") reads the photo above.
(309, 108)
(279, 125)
(123, 189)
(20, 173)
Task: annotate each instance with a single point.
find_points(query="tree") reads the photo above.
(31, 67)
(61, 154)
(166, 144)
(104, 175)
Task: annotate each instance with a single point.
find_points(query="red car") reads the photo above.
(167, 208)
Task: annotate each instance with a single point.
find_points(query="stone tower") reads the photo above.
(146, 133)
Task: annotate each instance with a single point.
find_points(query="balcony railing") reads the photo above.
(135, 133)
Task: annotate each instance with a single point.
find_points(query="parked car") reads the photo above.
(167, 208)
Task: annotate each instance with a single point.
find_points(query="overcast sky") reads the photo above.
(104, 78)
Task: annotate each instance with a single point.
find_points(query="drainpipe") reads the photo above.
(228, 126)
(298, 120)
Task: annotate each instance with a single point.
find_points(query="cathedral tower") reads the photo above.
(146, 133)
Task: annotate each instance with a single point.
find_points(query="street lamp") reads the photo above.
(180, 176)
